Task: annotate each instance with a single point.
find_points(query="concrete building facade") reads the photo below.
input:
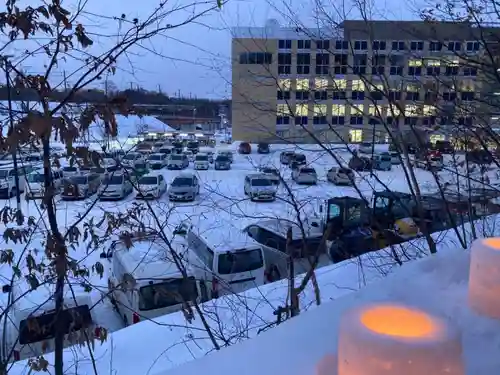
(360, 82)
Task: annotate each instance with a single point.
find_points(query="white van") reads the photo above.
(31, 328)
(233, 260)
(36, 183)
(8, 180)
(145, 282)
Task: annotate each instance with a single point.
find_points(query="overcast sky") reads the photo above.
(192, 59)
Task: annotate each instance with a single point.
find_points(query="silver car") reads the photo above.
(177, 161)
(115, 186)
(184, 187)
(341, 176)
(260, 187)
(305, 176)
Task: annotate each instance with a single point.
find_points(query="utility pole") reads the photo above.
(11, 130)
(65, 81)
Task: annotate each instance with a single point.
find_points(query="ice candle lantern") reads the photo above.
(484, 277)
(393, 339)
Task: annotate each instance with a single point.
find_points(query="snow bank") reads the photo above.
(155, 347)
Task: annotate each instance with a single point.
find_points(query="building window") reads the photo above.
(284, 63)
(433, 67)
(356, 114)
(398, 45)
(454, 46)
(359, 64)
(323, 44)
(470, 71)
(376, 91)
(285, 44)
(451, 67)
(355, 135)
(360, 45)
(284, 87)
(375, 110)
(415, 67)
(322, 63)
(341, 44)
(473, 46)
(358, 90)
(338, 114)
(301, 114)
(303, 63)
(319, 114)
(378, 64)
(283, 114)
(412, 92)
(256, 58)
(394, 94)
(378, 45)
(320, 87)
(449, 96)
(339, 89)
(429, 110)
(416, 46)
(340, 61)
(411, 110)
(397, 64)
(435, 46)
(302, 91)
(304, 44)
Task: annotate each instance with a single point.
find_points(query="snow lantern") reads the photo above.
(484, 277)
(393, 339)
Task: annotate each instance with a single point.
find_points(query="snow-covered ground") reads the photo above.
(221, 201)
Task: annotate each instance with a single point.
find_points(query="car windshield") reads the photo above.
(345, 171)
(385, 158)
(192, 144)
(201, 158)
(156, 157)
(222, 158)
(158, 144)
(299, 157)
(168, 293)
(36, 177)
(113, 180)
(165, 150)
(69, 169)
(148, 181)
(42, 327)
(261, 182)
(140, 166)
(175, 157)
(182, 181)
(80, 180)
(270, 171)
(366, 144)
(308, 170)
(130, 157)
(98, 170)
(240, 261)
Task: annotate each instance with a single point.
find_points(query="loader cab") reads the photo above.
(389, 206)
(345, 213)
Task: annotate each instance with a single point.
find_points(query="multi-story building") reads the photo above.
(360, 82)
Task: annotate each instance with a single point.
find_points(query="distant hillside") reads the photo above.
(204, 107)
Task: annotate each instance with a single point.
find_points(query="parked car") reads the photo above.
(222, 163)
(201, 162)
(115, 186)
(382, 162)
(184, 187)
(412, 149)
(428, 160)
(479, 156)
(177, 161)
(157, 160)
(245, 148)
(132, 158)
(36, 183)
(80, 187)
(300, 159)
(70, 171)
(263, 148)
(341, 176)
(445, 147)
(360, 163)
(193, 146)
(395, 159)
(151, 186)
(365, 148)
(272, 173)
(260, 187)
(157, 146)
(138, 171)
(305, 176)
(228, 154)
(165, 150)
(286, 157)
(189, 154)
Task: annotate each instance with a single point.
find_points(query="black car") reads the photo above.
(360, 164)
(479, 156)
(299, 159)
(222, 163)
(445, 147)
(263, 148)
(193, 146)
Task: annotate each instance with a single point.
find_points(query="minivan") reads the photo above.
(36, 183)
(80, 187)
(260, 187)
(177, 161)
(146, 283)
(8, 179)
(234, 262)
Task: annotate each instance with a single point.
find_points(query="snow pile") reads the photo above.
(155, 347)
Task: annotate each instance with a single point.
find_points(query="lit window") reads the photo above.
(339, 84)
(356, 135)
(320, 110)
(283, 110)
(433, 138)
(429, 110)
(301, 110)
(377, 87)
(358, 85)
(411, 111)
(338, 110)
(285, 84)
(320, 83)
(302, 85)
(433, 63)
(452, 62)
(411, 87)
(467, 86)
(357, 110)
(415, 63)
(374, 110)
(393, 111)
